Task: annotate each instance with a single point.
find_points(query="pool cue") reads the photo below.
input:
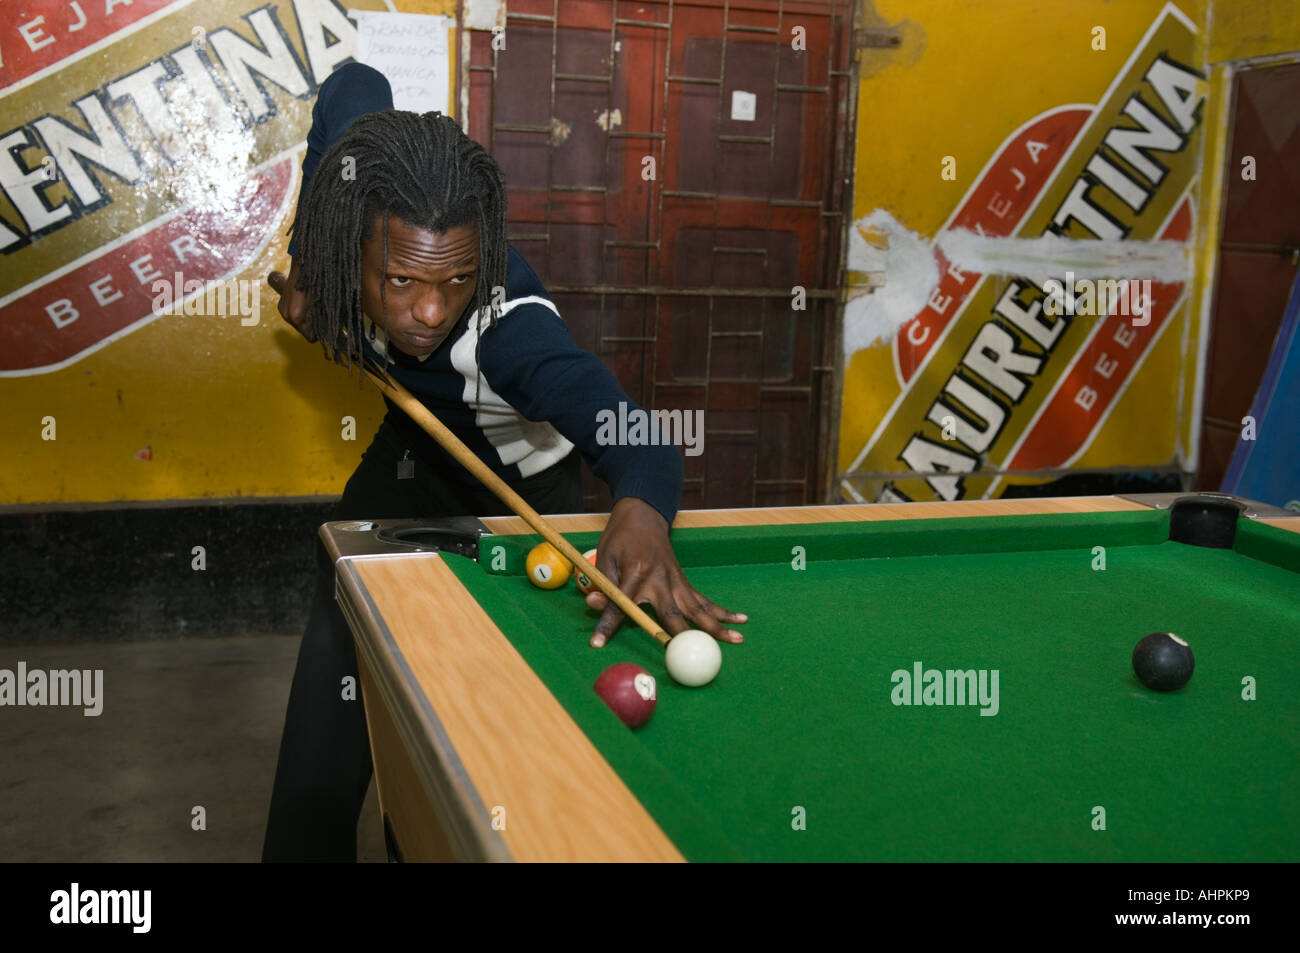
(436, 429)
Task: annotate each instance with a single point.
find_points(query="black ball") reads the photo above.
(1163, 662)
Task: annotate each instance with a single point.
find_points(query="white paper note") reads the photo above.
(413, 51)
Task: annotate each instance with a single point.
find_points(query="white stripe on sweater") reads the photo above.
(531, 445)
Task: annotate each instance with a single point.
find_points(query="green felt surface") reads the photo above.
(802, 718)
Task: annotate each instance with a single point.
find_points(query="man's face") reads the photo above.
(428, 281)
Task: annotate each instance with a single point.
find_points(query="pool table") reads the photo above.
(919, 681)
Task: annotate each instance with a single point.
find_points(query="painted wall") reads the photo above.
(176, 132)
(1012, 120)
(205, 405)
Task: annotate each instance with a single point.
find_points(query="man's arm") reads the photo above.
(350, 92)
(532, 362)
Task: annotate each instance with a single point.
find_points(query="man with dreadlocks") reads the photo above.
(399, 256)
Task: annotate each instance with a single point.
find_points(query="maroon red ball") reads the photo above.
(630, 691)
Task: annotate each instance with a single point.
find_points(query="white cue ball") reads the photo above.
(693, 658)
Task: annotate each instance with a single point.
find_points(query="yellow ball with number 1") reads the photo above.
(546, 568)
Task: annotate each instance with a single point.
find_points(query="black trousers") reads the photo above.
(324, 767)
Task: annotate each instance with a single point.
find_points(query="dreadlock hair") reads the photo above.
(424, 170)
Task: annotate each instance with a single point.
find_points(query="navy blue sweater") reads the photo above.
(536, 394)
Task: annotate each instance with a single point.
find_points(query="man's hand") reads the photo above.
(294, 304)
(634, 552)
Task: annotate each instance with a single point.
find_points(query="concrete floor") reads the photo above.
(185, 723)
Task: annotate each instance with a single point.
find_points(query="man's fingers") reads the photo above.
(292, 304)
(609, 622)
(723, 615)
(708, 616)
(709, 624)
(611, 615)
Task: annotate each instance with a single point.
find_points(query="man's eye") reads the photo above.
(398, 281)
(462, 279)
